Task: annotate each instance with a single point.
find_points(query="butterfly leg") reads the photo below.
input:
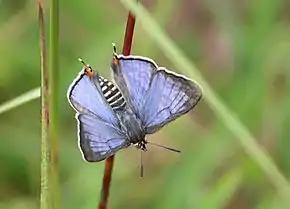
(142, 145)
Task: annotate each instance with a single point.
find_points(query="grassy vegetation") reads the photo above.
(240, 48)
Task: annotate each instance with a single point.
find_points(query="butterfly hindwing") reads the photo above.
(169, 96)
(156, 95)
(97, 139)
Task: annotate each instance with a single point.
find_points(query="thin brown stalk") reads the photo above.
(128, 38)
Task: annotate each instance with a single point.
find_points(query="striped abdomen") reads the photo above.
(112, 94)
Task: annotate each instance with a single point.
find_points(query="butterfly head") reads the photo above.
(115, 60)
(88, 71)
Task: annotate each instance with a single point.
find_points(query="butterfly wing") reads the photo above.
(133, 75)
(99, 128)
(97, 139)
(156, 95)
(86, 97)
(169, 96)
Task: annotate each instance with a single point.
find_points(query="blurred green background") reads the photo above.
(241, 47)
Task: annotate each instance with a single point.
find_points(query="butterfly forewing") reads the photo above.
(86, 97)
(133, 76)
(169, 97)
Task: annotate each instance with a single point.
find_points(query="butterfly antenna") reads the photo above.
(114, 48)
(168, 148)
(141, 164)
(83, 62)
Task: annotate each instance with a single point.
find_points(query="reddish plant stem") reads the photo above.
(128, 38)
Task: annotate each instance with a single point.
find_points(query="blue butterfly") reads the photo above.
(143, 99)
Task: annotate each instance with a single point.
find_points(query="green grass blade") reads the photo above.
(22, 99)
(224, 190)
(44, 176)
(246, 139)
(54, 105)
(45, 151)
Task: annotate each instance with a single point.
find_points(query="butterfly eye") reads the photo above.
(115, 60)
(89, 72)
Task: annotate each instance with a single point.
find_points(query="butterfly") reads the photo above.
(142, 99)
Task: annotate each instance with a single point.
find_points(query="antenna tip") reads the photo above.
(83, 62)
(114, 48)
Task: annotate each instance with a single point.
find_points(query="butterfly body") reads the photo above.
(143, 99)
(131, 125)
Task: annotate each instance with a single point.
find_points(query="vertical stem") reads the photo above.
(44, 195)
(106, 182)
(53, 105)
(128, 38)
(110, 161)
